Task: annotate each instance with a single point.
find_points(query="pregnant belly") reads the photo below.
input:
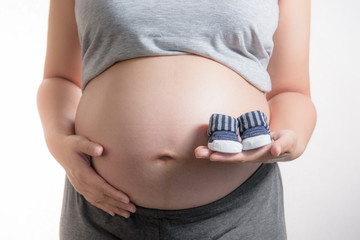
(150, 114)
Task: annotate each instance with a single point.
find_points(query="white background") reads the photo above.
(322, 188)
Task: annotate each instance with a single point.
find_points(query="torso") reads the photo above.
(150, 114)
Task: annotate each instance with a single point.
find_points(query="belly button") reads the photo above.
(166, 156)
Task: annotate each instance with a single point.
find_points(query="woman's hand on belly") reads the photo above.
(78, 150)
(281, 149)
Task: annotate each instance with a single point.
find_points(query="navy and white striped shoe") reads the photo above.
(223, 134)
(254, 130)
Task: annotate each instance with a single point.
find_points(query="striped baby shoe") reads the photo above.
(223, 134)
(254, 130)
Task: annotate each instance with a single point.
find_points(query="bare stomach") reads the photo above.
(150, 114)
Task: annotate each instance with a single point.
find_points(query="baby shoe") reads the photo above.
(223, 134)
(254, 130)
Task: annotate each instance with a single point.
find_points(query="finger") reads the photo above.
(109, 200)
(276, 149)
(112, 210)
(95, 185)
(284, 143)
(88, 147)
(122, 211)
(112, 206)
(202, 152)
(275, 135)
(115, 197)
(100, 189)
(120, 205)
(244, 156)
(111, 192)
(105, 209)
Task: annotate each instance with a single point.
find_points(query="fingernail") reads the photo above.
(201, 155)
(98, 150)
(111, 213)
(132, 209)
(213, 158)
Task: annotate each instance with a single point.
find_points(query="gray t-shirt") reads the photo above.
(236, 33)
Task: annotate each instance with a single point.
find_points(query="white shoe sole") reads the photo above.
(225, 146)
(256, 142)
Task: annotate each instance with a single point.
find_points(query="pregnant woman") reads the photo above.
(128, 90)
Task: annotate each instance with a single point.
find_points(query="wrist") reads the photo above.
(295, 112)
(56, 141)
(299, 149)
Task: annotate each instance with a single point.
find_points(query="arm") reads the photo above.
(57, 99)
(293, 114)
(59, 93)
(290, 102)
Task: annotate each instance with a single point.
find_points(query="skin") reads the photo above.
(150, 114)
(293, 115)
(292, 112)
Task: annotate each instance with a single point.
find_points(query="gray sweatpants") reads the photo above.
(254, 211)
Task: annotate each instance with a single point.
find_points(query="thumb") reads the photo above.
(283, 142)
(276, 149)
(88, 147)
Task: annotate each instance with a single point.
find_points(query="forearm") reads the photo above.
(293, 111)
(57, 101)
